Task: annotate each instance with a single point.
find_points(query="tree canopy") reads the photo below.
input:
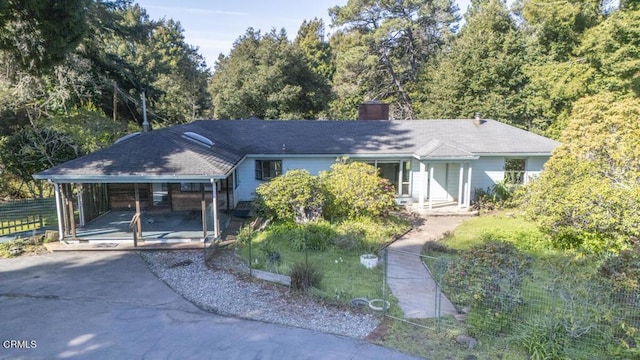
(588, 197)
(70, 66)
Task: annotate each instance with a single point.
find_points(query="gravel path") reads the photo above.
(225, 288)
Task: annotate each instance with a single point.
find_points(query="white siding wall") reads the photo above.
(486, 172)
(534, 166)
(247, 182)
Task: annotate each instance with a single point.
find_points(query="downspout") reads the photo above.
(56, 190)
(214, 209)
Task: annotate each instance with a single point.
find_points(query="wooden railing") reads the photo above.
(514, 177)
(135, 225)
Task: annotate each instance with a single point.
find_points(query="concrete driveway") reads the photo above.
(109, 306)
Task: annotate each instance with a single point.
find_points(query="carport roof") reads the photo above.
(166, 155)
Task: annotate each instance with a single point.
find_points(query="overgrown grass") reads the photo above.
(426, 343)
(335, 249)
(19, 247)
(563, 309)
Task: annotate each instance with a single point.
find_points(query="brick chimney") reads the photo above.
(373, 110)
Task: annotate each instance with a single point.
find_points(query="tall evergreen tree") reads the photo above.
(267, 77)
(395, 40)
(481, 71)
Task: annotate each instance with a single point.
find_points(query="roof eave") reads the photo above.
(112, 179)
(448, 158)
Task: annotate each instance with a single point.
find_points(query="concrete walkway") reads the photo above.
(409, 280)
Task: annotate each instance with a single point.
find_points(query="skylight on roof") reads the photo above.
(127, 137)
(197, 138)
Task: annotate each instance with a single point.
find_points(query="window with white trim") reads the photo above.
(268, 169)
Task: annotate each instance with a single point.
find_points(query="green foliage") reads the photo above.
(356, 189)
(623, 270)
(368, 234)
(295, 196)
(482, 321)
(488, 276)
(89, 127)
(305, 276)
(543, 338)
(482, 71)
(267, 77)
(588, 197)
(393, 42)
(310, 236)
(39, 34)
(33, 150)
(246, 234)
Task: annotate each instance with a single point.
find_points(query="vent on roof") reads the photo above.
(127, 137)
(197, 138)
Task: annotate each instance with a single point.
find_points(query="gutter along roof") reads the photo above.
(168, 155)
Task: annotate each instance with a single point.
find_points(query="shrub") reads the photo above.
(542, 338)
(483, 321)
(623, 270)
(431, 247)
(295, 196)
(355, 189)
(305, 276)
(489, 274)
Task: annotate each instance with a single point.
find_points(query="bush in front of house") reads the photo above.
(295, 196)
(488, 279)
(355, 189)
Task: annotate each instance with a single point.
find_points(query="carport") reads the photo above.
(163, 186)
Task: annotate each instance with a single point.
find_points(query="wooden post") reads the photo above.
(204, 212)
(228, 197)
(72, 218)
(139, 223)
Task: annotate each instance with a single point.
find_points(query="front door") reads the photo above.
(439, 186)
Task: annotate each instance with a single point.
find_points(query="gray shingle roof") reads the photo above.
(164, 153)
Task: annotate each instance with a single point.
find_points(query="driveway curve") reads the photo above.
(110, 306)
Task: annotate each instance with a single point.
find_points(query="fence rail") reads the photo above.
(27, 215)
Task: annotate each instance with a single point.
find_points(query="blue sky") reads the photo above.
(213, 26)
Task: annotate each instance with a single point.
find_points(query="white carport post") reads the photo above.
(468, 196)
(423, 185)
(56, 190)
(431, 186)
(461, 196)
(214, 208)
(80, 188)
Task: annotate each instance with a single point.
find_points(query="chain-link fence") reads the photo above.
(543, 309)
(23, 217)
(553, 312)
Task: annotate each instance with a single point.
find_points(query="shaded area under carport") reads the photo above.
(174, 226)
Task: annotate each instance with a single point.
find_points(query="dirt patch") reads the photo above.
(379, 332)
